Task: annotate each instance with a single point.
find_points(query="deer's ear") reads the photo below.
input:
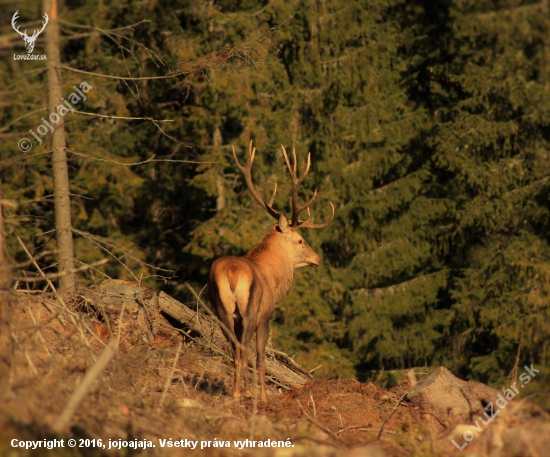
(284, 225)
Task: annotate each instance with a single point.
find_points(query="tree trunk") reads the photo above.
(6, 303)
(220, 201)
(65, 256)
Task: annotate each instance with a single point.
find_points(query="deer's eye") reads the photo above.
(301, 241)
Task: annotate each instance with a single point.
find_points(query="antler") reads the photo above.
(44, 24)
(247, 173)
(296, 208)
(13, 21)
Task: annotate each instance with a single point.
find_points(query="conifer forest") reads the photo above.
(428, 124)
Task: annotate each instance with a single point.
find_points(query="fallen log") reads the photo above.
(279, 366)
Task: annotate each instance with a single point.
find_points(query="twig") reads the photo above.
(23, 157)
(290, 361)
(167, 135)
(169, 379)
(514, 371)
(313, 404)
(86, 384)
(120, 323)
(315, 421)
(27, 357)
(95, 269)
(149, 160)
(209, 311)
(92, 333)
(126, 118)
(99, 239)
(54, 290)
(121, 78)
(47, 277)
(391, 414)
(362, 428)
(118, 29)
(39, 332)
(9, 124)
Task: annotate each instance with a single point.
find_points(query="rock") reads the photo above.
(449, 399)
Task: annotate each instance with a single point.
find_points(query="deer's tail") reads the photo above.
(234, 280)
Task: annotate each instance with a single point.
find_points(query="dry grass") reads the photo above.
(172, 387)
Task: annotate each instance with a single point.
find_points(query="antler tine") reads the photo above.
(272, 199)
(308, 204)
(292, 170)
(44, 24)
(309, 225)
(296, 182)
(13, 23)
(247, 174)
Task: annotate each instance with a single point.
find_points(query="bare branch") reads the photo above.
(108, 116)
(149, 160)
(64, 273)
(57, 296)
(106, 356)
(102, 240)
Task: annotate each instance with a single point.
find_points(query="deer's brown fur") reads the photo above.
(243, 291)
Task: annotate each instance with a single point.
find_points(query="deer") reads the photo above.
(29, 40)
(243, 290)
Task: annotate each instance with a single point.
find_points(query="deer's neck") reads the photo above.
(273, 263)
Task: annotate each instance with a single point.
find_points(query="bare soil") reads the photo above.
(143, 395)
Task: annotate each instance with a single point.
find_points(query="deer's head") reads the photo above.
(296, 248)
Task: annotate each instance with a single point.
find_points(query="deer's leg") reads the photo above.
(238, 351)
(232, 332)
(248, 331)
(261, 340)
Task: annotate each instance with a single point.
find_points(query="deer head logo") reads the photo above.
(29, 40)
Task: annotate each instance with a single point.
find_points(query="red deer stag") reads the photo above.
(243, 290)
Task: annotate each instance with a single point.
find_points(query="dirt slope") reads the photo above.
(149, 392)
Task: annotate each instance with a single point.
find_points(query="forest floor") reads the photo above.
(149, 394)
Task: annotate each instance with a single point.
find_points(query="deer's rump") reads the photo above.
(234, 280)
